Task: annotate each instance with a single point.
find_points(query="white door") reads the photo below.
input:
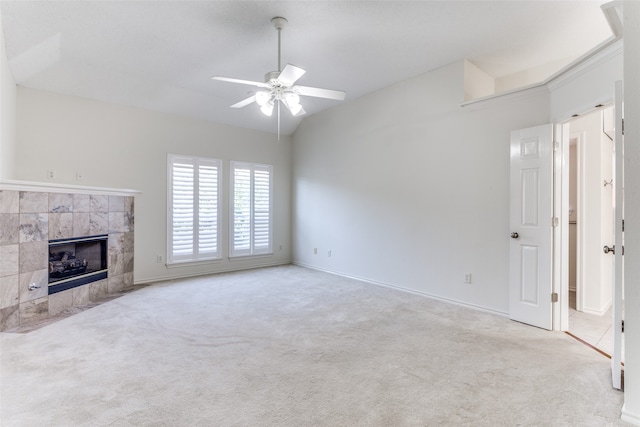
(618, 211)
(531, 212)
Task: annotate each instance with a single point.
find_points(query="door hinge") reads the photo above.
(556, 145)
(623, 126)
(554, 221)
(623, 225)
(554, 297)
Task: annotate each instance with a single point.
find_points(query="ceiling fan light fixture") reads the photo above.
(262, 97)
(295, 109)
(267, 108)
(292, 99)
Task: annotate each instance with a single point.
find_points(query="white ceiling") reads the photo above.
(161, 55)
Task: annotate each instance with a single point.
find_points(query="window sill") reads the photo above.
(178, 264)
(243, 257)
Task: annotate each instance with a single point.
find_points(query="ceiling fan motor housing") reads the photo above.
(271, 77)
(279, 22)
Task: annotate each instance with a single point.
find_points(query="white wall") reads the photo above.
(407, 188)
(122, 147)
(631, 410)
(594, 214)
(586, 86)
(530, 76)
(7, 113)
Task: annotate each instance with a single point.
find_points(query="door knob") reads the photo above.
(514, 235)
(608, 249)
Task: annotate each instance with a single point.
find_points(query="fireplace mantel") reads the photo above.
(53, 187)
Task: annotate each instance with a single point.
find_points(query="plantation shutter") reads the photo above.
(241, 211)
(262, 210)
(182, 209)
(208, 209)
(193, 209)
(251, 209)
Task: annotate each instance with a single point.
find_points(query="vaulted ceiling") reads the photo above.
(161, 55)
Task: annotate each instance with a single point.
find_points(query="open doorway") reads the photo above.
(590, 216)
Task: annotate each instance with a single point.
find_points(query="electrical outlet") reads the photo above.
(467, 277)
(329, 253)
(51, 174)
(315, 251)
(280, 247)
(159, 259)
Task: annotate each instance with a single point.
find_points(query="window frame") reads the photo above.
(195, 256)
(252, 251)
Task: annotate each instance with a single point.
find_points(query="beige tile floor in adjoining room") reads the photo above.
(594, 329)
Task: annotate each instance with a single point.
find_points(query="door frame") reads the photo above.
(560, 286)
(563, 137)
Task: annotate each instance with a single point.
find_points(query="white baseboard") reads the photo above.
(411, 291)
(150, 280)
(598, 312)
(630, 417)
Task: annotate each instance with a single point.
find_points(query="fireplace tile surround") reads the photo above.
(29, 219)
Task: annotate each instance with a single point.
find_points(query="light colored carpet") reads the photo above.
(289, 346)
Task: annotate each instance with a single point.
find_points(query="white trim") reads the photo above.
(592, 59)
(521, 92)
(407, 290)
(600, 312)
(243, 257)
(613, 13)
(48, 187)
(629, 416)
(560, 309)
(179, 264)
(154, 280)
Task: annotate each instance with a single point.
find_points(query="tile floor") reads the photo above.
(596, 330)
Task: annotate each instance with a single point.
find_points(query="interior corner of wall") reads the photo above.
(477, 83)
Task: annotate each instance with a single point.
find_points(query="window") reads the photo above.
(194, 197)
(250, 209)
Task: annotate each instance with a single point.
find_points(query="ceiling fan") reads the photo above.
(279, 86)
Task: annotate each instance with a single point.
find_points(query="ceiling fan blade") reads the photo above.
(320, 93)
(244, 82)
(244, 102)
(290, 74)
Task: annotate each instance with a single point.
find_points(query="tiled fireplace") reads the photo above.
(50, 246)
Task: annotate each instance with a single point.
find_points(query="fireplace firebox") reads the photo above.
(77, 261)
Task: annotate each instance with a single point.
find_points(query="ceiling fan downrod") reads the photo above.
(279, 22)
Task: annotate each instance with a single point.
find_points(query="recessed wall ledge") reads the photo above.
(50, 187)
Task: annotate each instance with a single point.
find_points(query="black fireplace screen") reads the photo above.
(75, 262)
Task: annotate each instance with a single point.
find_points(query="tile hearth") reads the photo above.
(28, 220)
